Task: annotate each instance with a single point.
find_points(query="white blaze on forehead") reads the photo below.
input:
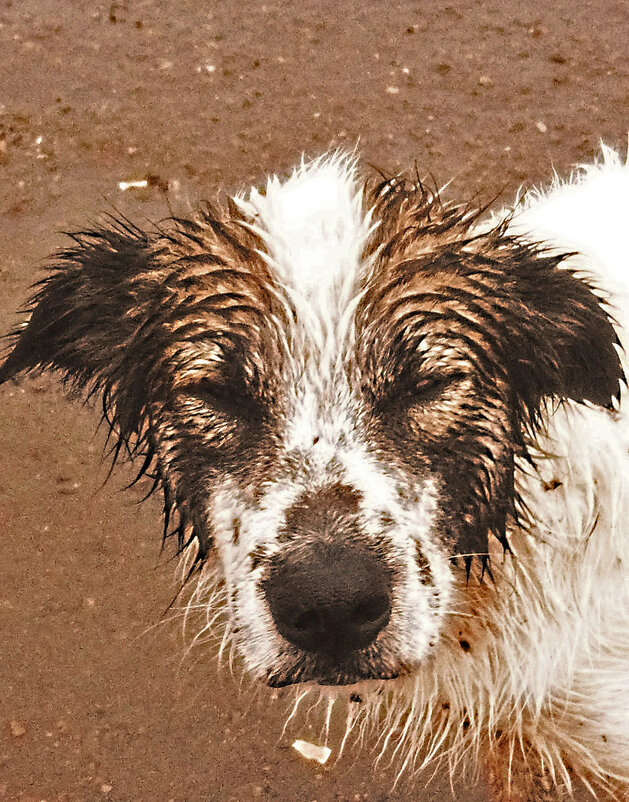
(314, 227)
(329, 419)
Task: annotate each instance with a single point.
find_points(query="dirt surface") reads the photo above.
(96, 702)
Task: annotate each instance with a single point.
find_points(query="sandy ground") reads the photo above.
(96, 702)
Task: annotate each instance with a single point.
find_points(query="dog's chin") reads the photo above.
(312, 672)
(337, 681)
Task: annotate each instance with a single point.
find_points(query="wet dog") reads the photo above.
(391, 431)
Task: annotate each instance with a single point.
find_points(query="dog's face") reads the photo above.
(331, 385)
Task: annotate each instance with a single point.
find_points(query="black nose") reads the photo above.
(329, 598)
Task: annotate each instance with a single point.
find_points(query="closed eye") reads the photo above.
(433, 386)
(228, 399)
(430, 388)
(411, 391)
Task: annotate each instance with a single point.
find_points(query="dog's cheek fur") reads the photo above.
(465, 441)
(201, 448)
(476, 482)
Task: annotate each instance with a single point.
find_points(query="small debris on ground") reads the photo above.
(312, 751)
(17, 729)
(123, 186)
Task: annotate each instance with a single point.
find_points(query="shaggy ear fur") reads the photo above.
(98, 319)
(526, 325)
(562, 342)
(89, 317)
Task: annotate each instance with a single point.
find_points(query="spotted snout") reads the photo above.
(329, 599)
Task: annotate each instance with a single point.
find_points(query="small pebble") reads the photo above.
(17, 729)
(312, 751)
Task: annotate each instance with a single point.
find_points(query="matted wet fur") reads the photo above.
(391, 439)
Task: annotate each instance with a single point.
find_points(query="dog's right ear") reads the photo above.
(87, 315)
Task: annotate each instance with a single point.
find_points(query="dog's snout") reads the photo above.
(330, 599)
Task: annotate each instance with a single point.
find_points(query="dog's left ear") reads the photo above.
(563, 343)
(102, 318)
(90, 319)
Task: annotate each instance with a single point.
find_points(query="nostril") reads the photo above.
(309, 620)
(370, 611)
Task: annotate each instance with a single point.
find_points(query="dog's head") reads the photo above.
(331, 384)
